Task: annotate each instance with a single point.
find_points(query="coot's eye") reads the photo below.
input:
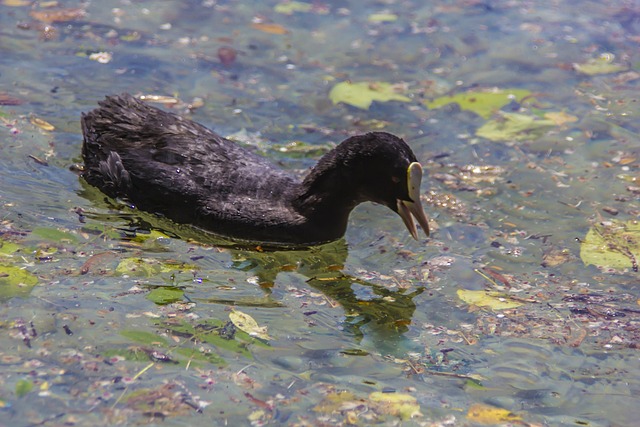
(395, 179)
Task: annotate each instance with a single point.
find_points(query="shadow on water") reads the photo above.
(382, 311)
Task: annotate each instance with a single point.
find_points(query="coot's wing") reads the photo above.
(164, 163)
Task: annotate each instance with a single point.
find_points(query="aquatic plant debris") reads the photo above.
(489, 299)
(612, 244)
(482, 102)
(362, 94)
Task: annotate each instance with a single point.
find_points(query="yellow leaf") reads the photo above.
(486, 414)
(288, 8)
(602, 65)
(270, 28)
(614, 245)
(246, 323)
(492, 300)
(362, 94)
(484, 103)
(335, 401)
(514, 127)
(16, 3)
(58, 15)
(403, 405)
(42, 124)
(382, 17)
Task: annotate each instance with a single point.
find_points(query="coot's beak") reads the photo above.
(413, 209)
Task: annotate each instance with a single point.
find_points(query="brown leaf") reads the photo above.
(57, 15)
(270, 28)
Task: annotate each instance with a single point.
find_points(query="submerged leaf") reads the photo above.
(614, 244)
(602, 65)
(492, 300)
(362, 94)
(143, 337)
(486, 414)
(7, 248)
(560, 118)
(514, 127)
(482, 103)
(246, 323)
(54, 235)
(211, 332)
(165, 295)
(149, 267)
(335, 401)
(403, 405)
(42, 124)
(23, 387)
(15, 282)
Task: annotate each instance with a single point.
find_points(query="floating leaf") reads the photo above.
(54, 235)
(143, 337)
(489, 299)
(133, 355)
(23, 387)
(209, 357)
(362, 94)
(246, 323)
(42, 124)
(15, 281)
(382, 17)
(614, 244)
(514, 127)
(403, 405)
(165, 295)
(270, 28)
(482, 103)
(288, 8)
(486, 414)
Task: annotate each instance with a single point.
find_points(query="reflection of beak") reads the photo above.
(413, 209)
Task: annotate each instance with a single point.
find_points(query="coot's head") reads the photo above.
(377, 167)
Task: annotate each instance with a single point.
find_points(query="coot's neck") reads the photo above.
(328, 194)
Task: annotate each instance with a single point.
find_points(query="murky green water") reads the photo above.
(85, 340)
